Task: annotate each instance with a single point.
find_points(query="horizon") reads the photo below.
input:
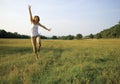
(65, 17)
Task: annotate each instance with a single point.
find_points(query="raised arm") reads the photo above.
(44, 27)
(29, 8)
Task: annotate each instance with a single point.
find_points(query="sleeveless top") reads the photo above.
(34, 30)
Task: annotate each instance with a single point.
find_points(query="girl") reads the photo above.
(35, 37)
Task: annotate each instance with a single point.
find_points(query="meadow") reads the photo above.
(88, 61)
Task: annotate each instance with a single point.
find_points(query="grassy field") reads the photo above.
(61, 62)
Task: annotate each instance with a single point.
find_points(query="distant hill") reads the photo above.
(112, 32)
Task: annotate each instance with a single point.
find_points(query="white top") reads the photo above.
(34, 30)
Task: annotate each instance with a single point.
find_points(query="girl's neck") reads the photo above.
(35, 23)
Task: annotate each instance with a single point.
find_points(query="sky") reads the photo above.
(64, 17)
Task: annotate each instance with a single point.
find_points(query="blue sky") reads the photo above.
(63, 16)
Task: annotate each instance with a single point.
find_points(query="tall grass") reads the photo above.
(61, 62)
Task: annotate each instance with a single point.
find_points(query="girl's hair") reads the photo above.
(37, 17)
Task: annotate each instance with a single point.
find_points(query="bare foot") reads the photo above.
(36, 57)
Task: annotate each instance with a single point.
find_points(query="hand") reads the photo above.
(49, 29)
(29, 6)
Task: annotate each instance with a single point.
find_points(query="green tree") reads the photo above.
(91, 36)
(54, 37)
(70, 37)
(3, 34)
(79, 36)
(98, 36)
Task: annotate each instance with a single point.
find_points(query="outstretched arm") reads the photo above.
(29, 8)
(44, 27)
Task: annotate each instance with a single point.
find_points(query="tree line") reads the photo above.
(68, 37)
(112, 32)
(5, 34)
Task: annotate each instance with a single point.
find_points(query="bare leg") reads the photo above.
(39, 42)
(33, 40)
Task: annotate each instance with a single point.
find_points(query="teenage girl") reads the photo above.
(35, 37)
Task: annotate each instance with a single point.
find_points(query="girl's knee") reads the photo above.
(35, 51)
(40, 44)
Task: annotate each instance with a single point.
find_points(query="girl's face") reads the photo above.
(36, 19)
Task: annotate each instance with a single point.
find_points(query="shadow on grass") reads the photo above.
(57, 52)
(6, 50)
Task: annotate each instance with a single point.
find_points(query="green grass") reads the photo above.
(61, 62)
